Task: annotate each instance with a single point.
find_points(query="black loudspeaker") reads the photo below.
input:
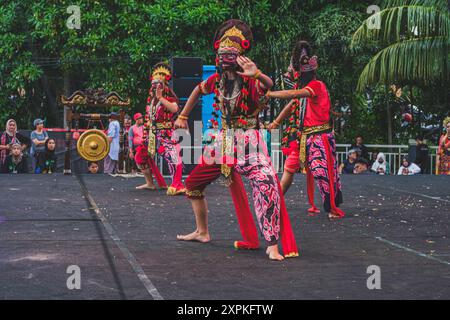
(187, 67)
(187, 74)
(183, 87)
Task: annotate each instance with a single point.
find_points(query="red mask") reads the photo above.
(227, 60)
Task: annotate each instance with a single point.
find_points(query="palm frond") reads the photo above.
(439, 4)
(402, 23)
(412, 61)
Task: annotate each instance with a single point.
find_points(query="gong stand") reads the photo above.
(92, 98)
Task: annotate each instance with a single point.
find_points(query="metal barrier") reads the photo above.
(393, 153)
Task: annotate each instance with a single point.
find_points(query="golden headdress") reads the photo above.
(161, 71)
(446, 121)
(233, 33)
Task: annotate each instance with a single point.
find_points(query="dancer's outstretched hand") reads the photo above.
(272, 126)
(248, 66)
(181, 124)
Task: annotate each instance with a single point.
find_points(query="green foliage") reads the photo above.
(415, 37)
(119, 41)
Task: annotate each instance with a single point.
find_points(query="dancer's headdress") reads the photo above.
(302, 59)
(446, 121)
(161, 71)
(233, 33)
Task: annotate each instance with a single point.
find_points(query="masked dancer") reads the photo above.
(239, 147)
(161, 110)
(316, 144)
(443, 153)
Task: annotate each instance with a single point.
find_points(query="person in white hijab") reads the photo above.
(380, 166)
(408, 167)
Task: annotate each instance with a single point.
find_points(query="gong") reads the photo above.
(93, 145)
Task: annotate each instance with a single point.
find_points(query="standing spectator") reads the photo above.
(359, 144)
(443, 153)
(349, 164)
(111, 161)
(126, 147)
(38, 139)
(380, 166)
(373, 158)
(10, 136)
(408, 168)
(46, 161)
(126, 123)
(135, 136)
(421, 154)
(15, 161)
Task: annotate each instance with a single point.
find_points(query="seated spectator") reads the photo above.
(46, 160)
(348, 165)
(408, 168)
(359, 144)
(93, 167)
(10, 136)
(422, 153)
(38, 139)
(380, 166)
(361, 167)
(15, 162)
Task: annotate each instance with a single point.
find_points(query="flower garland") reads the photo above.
(294, 120)
(218, 103)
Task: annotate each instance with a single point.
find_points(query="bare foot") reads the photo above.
(273, 253)
(146, 186)
(333, 217)
(313, 211)
(195, 236)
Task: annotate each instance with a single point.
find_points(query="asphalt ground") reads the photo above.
(124, 242)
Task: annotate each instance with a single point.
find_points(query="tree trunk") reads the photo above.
(389, 117)
(51, 99)
(67, 91)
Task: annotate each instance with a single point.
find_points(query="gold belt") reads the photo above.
(164, 125)
(251, 123)
(227, 141)
(304, 134)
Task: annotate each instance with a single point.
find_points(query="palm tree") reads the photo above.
(413, 39)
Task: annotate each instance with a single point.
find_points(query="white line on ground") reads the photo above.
(149, 286)
(424, 255)
(417, 194)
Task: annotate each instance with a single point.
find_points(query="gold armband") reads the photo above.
(257, 74)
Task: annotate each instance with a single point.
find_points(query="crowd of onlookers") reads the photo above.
(360, 162)
(16, 150)
(35, 152)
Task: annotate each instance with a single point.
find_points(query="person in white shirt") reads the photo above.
(408, 168)
(112, 160)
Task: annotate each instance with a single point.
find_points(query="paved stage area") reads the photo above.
(124, 242)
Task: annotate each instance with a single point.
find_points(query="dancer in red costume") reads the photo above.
(162, 105)
(443, 152)
(316, 146)
(239, 147)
